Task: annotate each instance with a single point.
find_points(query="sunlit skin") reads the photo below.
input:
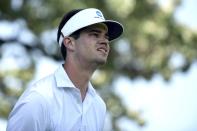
(86, 54)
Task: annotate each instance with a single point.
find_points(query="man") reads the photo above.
(66, 100)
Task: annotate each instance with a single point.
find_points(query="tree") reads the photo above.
(150, 39)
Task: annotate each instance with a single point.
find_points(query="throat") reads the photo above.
(79, 76)
(83, 93)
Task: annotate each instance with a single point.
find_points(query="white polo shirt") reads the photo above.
(55, 104)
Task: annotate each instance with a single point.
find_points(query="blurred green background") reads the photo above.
(151, 38)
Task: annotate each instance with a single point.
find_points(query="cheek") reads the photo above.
(89, 45)
(86, 47)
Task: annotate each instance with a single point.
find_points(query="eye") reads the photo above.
(107, 37)
(95, 34)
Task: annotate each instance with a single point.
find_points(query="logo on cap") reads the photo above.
(99, 15)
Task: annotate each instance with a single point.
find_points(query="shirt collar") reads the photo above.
(91, 89)
(62, 80)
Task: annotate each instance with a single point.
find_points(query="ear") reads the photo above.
(69, 43)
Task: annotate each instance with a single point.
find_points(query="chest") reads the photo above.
(71, 114)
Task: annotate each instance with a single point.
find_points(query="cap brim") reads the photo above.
(115, 29)
(89, 17)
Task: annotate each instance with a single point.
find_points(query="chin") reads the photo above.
(101, 62)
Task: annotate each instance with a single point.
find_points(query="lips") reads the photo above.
(102, 49)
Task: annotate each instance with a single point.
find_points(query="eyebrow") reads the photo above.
(97, 31)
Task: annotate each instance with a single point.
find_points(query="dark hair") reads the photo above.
(75, 35)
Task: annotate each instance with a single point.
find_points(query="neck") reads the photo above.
(80, 75)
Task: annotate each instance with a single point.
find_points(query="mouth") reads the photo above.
(103, 50)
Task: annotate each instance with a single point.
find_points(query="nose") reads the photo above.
(104, 40)
(104, 43)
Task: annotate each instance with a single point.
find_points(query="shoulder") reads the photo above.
(99, 104)
(44, 86)
(97, 100)
(37, 96)
(100, 101)
(29, 113)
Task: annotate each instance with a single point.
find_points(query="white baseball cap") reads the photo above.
(89, 17)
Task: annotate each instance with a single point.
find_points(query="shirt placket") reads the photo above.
(85, 107)
(78, 100)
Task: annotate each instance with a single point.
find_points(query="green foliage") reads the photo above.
(151, 35)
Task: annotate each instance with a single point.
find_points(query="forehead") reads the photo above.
(100, 26)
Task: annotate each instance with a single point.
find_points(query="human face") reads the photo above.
(93, 45)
